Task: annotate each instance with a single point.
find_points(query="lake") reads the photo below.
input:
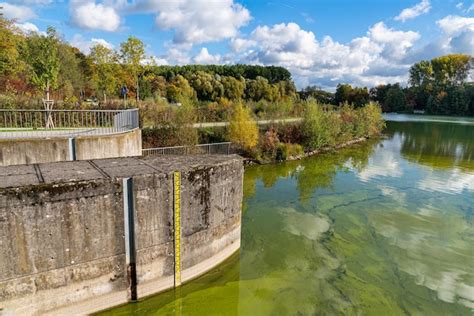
(384, 227)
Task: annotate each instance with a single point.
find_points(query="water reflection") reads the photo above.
(436, 144)
(310, 174)
(385, 227)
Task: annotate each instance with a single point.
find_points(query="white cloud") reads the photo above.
(89, 15)
(240, 44)
(205, 58)
(454, 24)
(372, 59)
(86, 45)
(396, 43)
(196, 21)
(27, 27)
(17, 12)
(457, 36)
(410, 13)
(154, 60)
(177, 56)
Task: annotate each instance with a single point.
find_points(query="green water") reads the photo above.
(382, 228)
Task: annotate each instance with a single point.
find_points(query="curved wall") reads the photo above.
(41, 150)
(62, 229)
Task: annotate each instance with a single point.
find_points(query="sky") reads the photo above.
(322, 42)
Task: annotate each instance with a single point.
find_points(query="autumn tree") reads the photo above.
(132, 53)
(439, 85)
(10, 42)
(243, 129)
(451, 69)
(72, 77)
(207, 86)
(233, 87)
(179, 90)
(104, 75)
(42, 57)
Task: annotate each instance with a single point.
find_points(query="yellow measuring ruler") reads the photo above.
(177, 228)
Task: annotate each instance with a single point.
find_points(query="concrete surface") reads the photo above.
(51, 149)
(62, 229)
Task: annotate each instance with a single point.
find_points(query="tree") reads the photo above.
(71, 76)
(179, 90)
(343, 93)
(317, 94)
(421, 74)
(243, 129)
(432, 83)
(42, 57)
(259, 89)
(395, 99)
(451, 69)
(207, 86)
(10, 42)
(104, 76)
(233, 88)
(356, 96)
(132, 52)
(316, 129)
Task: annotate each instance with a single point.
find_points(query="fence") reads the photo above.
(225, 148)
(44, 123)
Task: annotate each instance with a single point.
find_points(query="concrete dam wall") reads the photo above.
(17, 151)
(78, 237)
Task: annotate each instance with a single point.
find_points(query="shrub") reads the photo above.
(349, 120)
(269, 142)
(286, 150)
(315, 128)
(243, 129)
(281, 153)
(169, 125)
(371, 120)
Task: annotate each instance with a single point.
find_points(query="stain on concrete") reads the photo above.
(62, 241)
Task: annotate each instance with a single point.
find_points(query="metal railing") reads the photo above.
(224, 148)
(47, 123)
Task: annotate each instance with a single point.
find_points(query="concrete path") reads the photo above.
(259, 122)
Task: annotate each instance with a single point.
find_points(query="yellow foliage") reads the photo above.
(243, 129)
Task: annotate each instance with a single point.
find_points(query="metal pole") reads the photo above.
(72, 149)
(129, 227)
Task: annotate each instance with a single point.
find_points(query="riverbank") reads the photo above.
(250, 161)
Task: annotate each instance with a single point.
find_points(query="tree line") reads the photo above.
(33, 64)
(437, 86)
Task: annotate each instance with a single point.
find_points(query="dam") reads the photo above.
(77, 237)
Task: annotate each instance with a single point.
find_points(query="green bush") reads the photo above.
(287, 150)
(316, 129)
(371, 119)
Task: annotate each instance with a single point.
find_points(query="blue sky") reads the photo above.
(322, 42)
